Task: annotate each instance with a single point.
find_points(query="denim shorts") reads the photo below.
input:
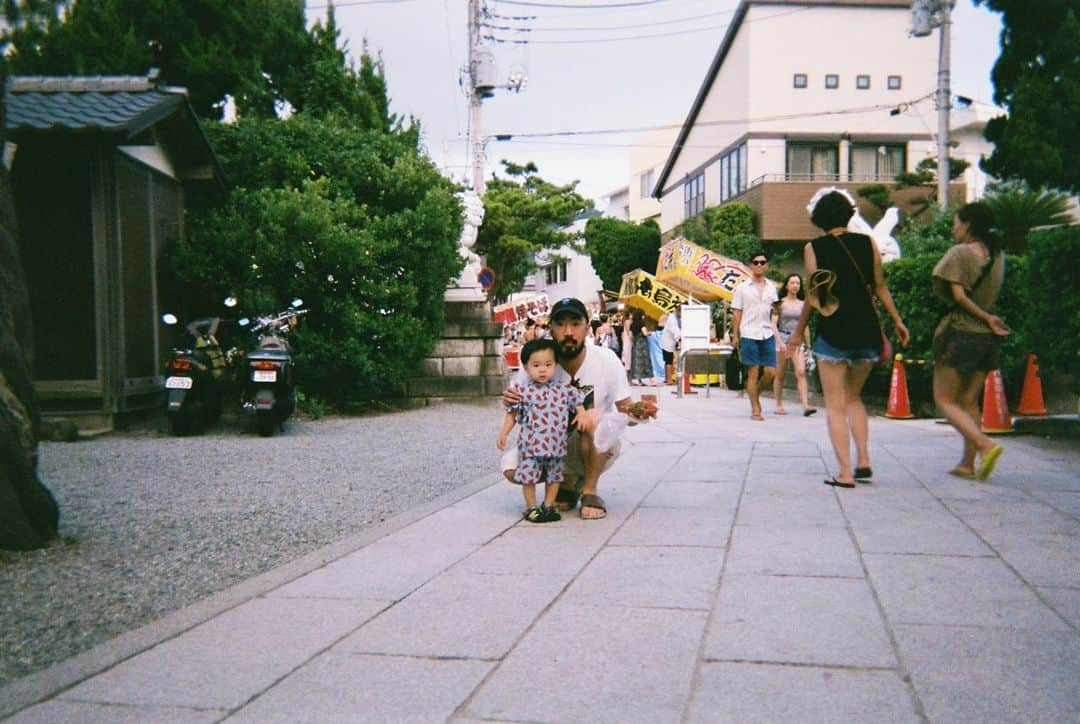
(757, 352)
(826, 352)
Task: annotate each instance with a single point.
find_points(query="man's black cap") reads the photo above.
(568, 305)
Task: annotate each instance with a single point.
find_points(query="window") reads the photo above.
(694, 195)
(733, 173)
(832, 81)
(809, 162)
(648, 179)
(862, 82)
(876, 162)
(799, 81)
(894, 82)
(555, 272)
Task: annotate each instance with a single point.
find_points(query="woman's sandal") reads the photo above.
(566, 499)
(959, 472)
(593, 501)
(863, 475)
(838, 484)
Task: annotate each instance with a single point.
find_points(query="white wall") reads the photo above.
(754, 86)
(649, 151)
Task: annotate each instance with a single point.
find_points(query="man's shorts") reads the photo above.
(532, 471)
(757, 352)
(669, 357)
(575, 469)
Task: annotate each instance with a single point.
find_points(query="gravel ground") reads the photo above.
(151, 524)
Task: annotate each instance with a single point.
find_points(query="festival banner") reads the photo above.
(518, 310)
(703, 274)
(641, 290)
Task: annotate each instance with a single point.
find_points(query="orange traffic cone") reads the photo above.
(1031, 397)
(995, 412)
(899, 408)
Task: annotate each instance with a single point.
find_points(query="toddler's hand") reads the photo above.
(501, 442)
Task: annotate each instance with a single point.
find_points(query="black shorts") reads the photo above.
(967, 352)
(669, 357)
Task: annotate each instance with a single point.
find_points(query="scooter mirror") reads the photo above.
(243, 321)
(230, 302)
(296, 303)
(169, 319)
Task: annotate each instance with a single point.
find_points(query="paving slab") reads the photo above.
(660, 577)
(675, 527)
(955, 591)
(537, 550)
(461, 614)
(812, 507)
(348, 688)
(632, 665)
(388, 569)
(787, 619)
(744, 692)
(795, 550)
(908, 521)
(231, 658)
(55, 711)
(720, 498)
(966, 674)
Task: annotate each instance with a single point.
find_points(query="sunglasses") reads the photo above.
(760, 262)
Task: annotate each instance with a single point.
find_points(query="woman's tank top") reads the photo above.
(855, 324)
(789, 316)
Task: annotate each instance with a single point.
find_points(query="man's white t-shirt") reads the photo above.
(601, 377)
(671, 335)
(756, 304)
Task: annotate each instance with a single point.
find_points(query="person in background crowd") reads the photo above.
(752, 330)
(627, 333)
(849, 338)
(656, 354)
(788, 311)
(641, 364)
(530, 330)
(669, 342)
(969, 278)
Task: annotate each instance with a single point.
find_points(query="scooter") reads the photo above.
(268, 390)
(195, 376)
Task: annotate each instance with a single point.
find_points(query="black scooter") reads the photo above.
(268, 390)
(194, 377)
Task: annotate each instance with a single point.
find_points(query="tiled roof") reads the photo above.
(110, 104)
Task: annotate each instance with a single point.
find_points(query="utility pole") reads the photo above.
(944, 104)
(476, 138)
(925, 16)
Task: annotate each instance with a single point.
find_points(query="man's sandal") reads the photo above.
(592, 501)
(566, 499)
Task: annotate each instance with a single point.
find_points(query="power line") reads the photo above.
(612, 27)
(722, 122)
(582, 7)
(345, 3)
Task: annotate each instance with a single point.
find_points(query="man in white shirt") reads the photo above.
(601, 376)
(753, 330)
(669, 342)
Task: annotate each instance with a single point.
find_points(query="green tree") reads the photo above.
(617, 247)
(522, 215)
(258, 51)
(728, 220)
(338, 215)
(1037, 80)
(1018, 209)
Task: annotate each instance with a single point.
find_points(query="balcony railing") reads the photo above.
(855, 178)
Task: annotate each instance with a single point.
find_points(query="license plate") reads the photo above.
(264, 376)
(178, 383)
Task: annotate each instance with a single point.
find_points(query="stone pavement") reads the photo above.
(726, 584)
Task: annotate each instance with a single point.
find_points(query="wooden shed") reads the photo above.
(99, 167)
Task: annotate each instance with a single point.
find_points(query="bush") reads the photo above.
(1051, 314)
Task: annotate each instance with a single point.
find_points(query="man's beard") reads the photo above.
(568, 349)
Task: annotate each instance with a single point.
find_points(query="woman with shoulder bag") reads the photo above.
(840, 265)
(969, 278)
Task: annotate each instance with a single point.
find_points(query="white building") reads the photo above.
(803, 93)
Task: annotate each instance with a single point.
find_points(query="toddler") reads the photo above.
(544, 409)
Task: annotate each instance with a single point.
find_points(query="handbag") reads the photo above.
(885, 346)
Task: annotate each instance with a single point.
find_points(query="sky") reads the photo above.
(578, 77)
